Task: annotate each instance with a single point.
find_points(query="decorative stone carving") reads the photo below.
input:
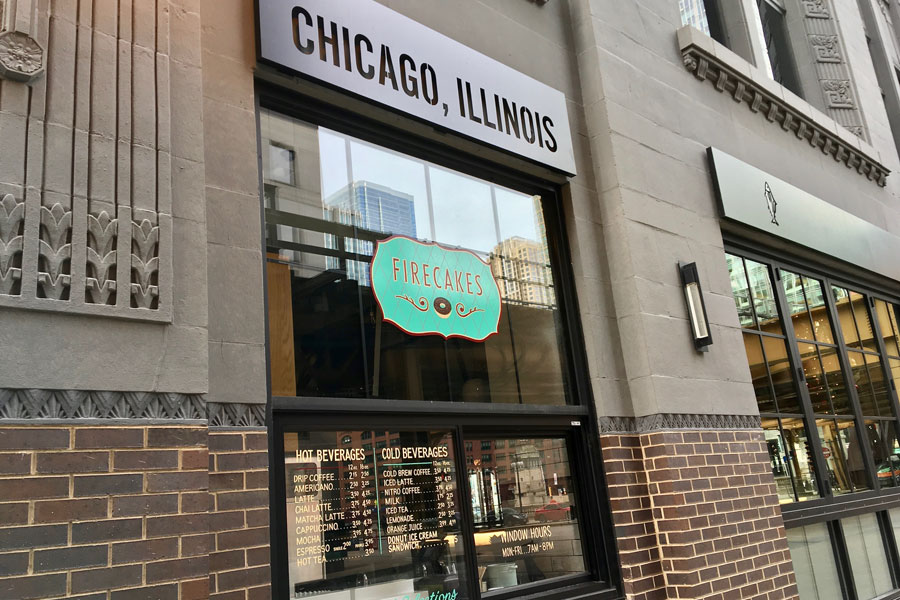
(827, 48)
(774, 108)
(21, 57)
(12, 241)
(673, 421)
(816, 9)
(144, 264)
(236, 415)
(838, 93)
(55, 252)
(79, 404)
(100, 282)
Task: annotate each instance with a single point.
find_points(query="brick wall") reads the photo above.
(133, 513)
(697, 516)
(239, 525)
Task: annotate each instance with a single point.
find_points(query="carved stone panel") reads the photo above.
(12, 229)
(827, 48)
(816, 9)
(101, 259)
(838, 93)
(54, 266)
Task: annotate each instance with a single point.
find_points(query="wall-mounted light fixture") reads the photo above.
(693, 296)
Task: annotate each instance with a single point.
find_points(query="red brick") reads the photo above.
(28, 588)
(13, 514)
(175, 482)
(72, 462)
(104, 531)
(192, 502)
(67, 559)
(245, 538)
(145, 505)
(260, 593)
(109, 437)
(242, 500)
(194, 459)
(14, 564)
(225, 442)
(256, 441)
(195, 590)
(32, 488)
(242, 461)
(15, 463)
(197, 545)
(57, 511)
(177, 525)
(145, 460)
(108, 485)
(243, 578)
(170, 437)
(107, 578)
(144, 550)
(32, 438)
(156, 592)
(178, 569)
(34, 536)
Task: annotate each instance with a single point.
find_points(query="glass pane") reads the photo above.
(843, 455)
(779, 459)
(740, 291)
(863, 322)
(868, 559)
(693, 12)
(835, 377)
(526, 519)
(782, 375)
(814, 565)
(329, 334)
(280, 165)
(895, 373)
(799, 457)
(818, 311)
(764, 297)
(759, 374)
(815, 378)
(384, 520)
(796, 301)
(874, 395)
(887, 320)
(846, 319)
(885, 451)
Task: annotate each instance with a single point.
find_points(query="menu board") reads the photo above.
(372, 515)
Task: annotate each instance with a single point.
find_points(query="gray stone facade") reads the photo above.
(131, 253)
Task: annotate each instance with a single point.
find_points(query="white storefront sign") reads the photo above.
(753, 197)
(370, 50)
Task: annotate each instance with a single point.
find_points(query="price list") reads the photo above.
(368, 506)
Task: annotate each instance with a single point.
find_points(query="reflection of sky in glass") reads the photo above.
(462, 206)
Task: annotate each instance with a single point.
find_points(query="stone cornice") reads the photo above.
(766, 98)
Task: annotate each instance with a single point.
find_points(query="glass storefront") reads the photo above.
(398, 286)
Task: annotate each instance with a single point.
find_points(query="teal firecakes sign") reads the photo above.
(426, 289)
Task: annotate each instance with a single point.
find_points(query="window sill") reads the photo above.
(731, 74)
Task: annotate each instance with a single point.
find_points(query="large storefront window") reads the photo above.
(817, 365)
(399, 290)
(338, 339)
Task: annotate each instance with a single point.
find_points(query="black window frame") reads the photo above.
(576, 420)
(829, 506)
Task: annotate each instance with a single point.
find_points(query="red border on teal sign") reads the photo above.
(425, 333)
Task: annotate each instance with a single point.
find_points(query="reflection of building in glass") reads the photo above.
(522, 270)
(693, 12)
(372, 207)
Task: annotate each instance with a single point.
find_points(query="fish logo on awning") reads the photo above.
(772, 204)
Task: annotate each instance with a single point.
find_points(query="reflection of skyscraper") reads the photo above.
(522, 270)
(693, 12)
(371, 207)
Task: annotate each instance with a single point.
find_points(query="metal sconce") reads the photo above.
(693, 296)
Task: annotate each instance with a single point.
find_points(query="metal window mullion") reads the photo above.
(793, 350)
(790, 467)
(842, 560)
